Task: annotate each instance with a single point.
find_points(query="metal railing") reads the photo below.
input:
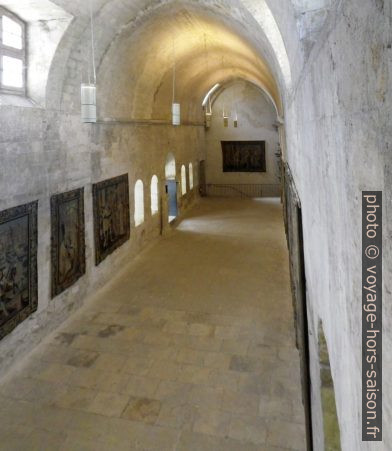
(243, 190)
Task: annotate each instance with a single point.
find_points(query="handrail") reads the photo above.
(247, 190)
(233, 188)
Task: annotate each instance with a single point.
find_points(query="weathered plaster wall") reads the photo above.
(339, 139)
(256, 122)
(337, 119)
(48, 152)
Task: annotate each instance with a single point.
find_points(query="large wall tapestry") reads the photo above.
(111, 215)
(243, 156)
(68, 243)
(18, 265)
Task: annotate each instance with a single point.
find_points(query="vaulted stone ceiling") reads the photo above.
(205, 50)
(215, 41)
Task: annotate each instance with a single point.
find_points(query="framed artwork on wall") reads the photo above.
(18, 265)
(243, 156)
(111, 215)
(68, 239)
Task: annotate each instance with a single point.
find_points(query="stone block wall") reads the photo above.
(339, 143)
(48, 152)
(256, 122)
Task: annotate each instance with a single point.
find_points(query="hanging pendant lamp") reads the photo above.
(234, 106)
(176, 114)
(176, 107)
(208, 113)
(89, 102)
(225, 118)
(88, 90)
(235, 119)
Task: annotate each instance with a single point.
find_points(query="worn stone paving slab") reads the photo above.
(194, 354)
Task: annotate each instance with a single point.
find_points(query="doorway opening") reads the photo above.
(303, 333)
(294, 232)
(171, 187)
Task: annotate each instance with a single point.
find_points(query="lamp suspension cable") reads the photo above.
(88, 91)
(93, 42)
(225, 113)
(223, 72)
(208, 106)
(206, 55)
(234, 104)
(174, 72)
(176, 108)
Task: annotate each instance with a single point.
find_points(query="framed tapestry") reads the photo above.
(18, 265)
(243, 156)
(111, 215)
(68, 241)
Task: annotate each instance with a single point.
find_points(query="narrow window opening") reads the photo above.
(183, 180)
(139, 203)
(154, 195)
(12, 33)
(12, 53)
(190, 176)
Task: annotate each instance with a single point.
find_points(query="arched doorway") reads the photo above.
(171, 187)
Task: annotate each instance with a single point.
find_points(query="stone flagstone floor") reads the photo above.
(190, 349)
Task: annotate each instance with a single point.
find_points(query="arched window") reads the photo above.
(139, 203)
(12, 53)
(154, 195)
(190, 176)
(170, 167)
(183, 180)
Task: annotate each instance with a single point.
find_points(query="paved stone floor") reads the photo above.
(191, 349)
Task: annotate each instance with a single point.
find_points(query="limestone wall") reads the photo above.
(256, 119)
(339, 136)
(48, 152)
